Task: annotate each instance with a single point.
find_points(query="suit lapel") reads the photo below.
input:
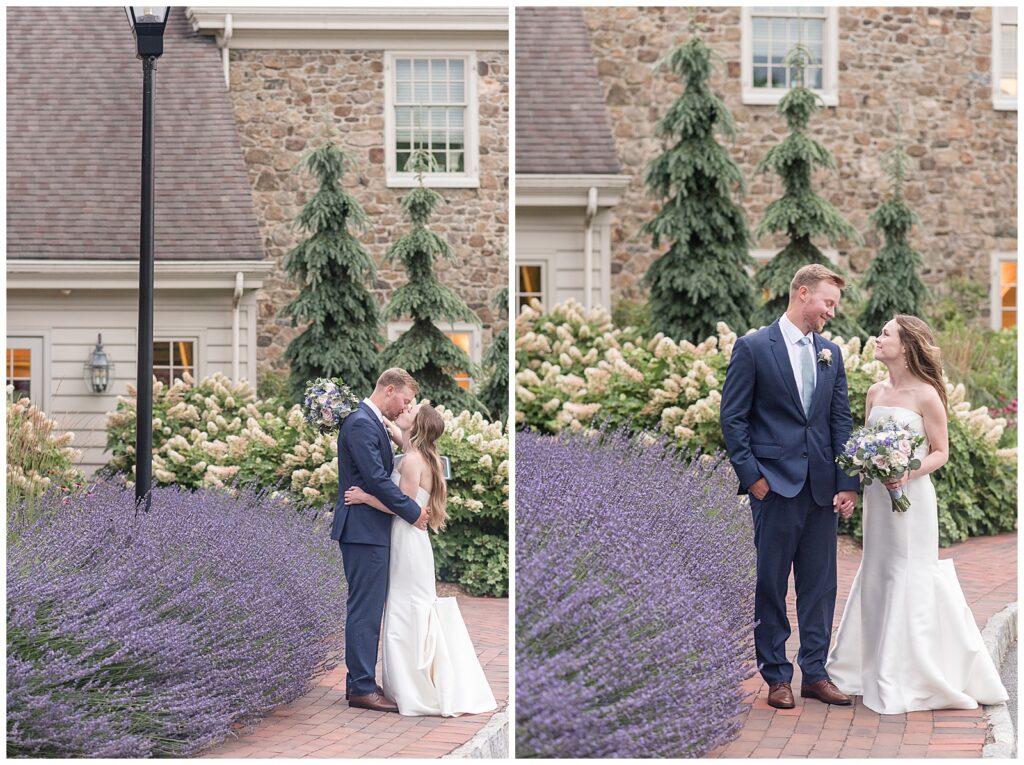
(387, 454)
(825, 375)
(781, 353)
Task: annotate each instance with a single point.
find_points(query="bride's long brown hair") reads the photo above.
(922, 354)
(427, 427)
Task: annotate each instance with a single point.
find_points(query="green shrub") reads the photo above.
(575, 366)
(215, 433)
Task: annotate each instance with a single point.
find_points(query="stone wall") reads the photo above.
(931, 64)
(280, 98)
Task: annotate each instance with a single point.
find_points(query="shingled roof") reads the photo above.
(562, 124)
(74, 132)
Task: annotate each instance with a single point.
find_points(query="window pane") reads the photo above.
(403, 69)
(403, 92)
(22, 389)
(21, 366)
(183, 354)
(529, 278)
(161, 353)
(460, 338)
(1008, 49)
(760, 28)
(814, 78)
(760, 76)
(779, 29)
(778, 77)
(163, 375)
(462, 380)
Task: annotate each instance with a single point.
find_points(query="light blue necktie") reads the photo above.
(806, 374)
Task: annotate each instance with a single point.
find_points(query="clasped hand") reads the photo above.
(356, 496)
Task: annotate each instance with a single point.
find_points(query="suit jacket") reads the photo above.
(365, 459)
(766, 431)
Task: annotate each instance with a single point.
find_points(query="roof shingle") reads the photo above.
(562, 124)
(74, 142)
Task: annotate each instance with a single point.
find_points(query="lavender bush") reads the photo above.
(149, 636)
(634, 598)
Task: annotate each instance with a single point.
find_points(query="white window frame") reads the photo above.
(397, 328)
(545, 279)
(1000, 102)
(470, 178)
(37, 345)
(198, 341)
(996, 302)
(770, 96)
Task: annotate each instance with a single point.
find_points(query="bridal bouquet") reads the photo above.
(328, 401)
(882, 451)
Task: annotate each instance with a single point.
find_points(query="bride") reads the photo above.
(429, 665)
(907, 640)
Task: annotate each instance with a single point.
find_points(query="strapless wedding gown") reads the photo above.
(429, 665)
(907, 640)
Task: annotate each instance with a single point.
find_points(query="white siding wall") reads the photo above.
(69, 324)
(554, 238)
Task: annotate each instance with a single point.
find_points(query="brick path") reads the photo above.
(987, 569)
(321, 724)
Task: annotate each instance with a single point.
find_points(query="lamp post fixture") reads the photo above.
(99, 369)
(148, 28)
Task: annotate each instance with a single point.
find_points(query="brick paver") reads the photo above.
(987, 569)
(321, 724)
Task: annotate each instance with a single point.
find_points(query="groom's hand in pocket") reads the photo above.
(759, 489)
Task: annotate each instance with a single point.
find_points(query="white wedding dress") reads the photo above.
(429, 665)
(907, 640)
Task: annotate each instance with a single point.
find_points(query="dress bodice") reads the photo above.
(908, 418)
(422, 496)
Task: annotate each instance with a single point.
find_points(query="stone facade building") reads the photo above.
(942, 78)
(290, 69)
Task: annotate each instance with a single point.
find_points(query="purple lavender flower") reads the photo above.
(149, 636)
(634, 599)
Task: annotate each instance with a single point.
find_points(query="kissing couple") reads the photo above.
(907, 640)
(429, 665)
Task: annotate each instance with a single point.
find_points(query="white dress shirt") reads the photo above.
(375, 410)
(793, 335)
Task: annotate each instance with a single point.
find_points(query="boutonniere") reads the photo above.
(825, 357)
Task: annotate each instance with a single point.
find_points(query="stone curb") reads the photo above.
(999, 634)
(490, 743)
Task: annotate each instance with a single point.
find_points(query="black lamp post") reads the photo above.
(148, 28)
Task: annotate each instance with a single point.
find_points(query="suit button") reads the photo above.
(804, 455)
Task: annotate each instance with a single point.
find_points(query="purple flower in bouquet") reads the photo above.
(327, 402)
(883, 451)
(634, 599)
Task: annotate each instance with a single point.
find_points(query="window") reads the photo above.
(1004, 290)
(172, 358)
(430, 103)
(769, 32)
(531, 284)
(466, 336)
(1004, 58)
(25, 368)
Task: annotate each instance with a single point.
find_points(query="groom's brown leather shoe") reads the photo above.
(379, 690)
(378, 702)
(780, 696)
(826, 691)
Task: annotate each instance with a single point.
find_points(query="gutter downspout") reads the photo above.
(239, 285)
(588, 248)
(223, 42)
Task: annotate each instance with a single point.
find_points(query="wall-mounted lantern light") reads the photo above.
(99, 369)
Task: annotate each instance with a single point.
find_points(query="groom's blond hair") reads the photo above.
(810, 275)
(398, 377)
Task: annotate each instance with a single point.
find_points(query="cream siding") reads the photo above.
(70, 323)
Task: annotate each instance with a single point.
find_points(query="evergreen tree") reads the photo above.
(494, 392)
(703, 278)
(892, 277)
(423, 350)
(332, 268)
(800, 212)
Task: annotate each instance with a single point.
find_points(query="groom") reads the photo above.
(365, 459)
(785, 413)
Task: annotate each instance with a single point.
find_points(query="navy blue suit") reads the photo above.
(365, 459)
(768, 435)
